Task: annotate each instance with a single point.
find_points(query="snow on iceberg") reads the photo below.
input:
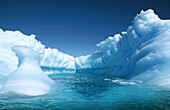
(28, 79)
(50, 58)
(140, 53)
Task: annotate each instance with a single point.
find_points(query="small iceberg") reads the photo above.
(28, 79)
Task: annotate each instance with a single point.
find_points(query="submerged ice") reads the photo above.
(142, 52)
(28, 79)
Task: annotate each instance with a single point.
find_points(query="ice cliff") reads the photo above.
(28, 79)
(142, 52)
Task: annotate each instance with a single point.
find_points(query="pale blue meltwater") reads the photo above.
(87, 91)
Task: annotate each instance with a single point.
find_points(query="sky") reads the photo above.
(75, 26)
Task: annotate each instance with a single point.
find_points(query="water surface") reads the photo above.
(87, 91)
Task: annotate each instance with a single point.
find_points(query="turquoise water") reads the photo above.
(86, 91)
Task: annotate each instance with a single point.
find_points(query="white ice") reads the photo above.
(28, 79)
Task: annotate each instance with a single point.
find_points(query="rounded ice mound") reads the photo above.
(28, 79)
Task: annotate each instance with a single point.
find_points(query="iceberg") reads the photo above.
(28, 79)
(50, 59)
(142, 52)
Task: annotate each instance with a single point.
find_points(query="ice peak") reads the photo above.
(147, 16)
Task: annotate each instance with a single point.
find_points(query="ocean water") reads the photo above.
(87, 91)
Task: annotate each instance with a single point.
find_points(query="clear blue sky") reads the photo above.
(74, 26)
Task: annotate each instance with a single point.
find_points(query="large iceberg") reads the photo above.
(142, 52)
(28, 79)
(51, 59)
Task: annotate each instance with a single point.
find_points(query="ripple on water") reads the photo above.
(86, 91)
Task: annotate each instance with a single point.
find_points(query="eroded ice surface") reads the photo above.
(142, 52)
(28, 79)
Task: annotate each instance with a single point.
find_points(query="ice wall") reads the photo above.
(28, 79)
(140, 53)
(50, 58)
